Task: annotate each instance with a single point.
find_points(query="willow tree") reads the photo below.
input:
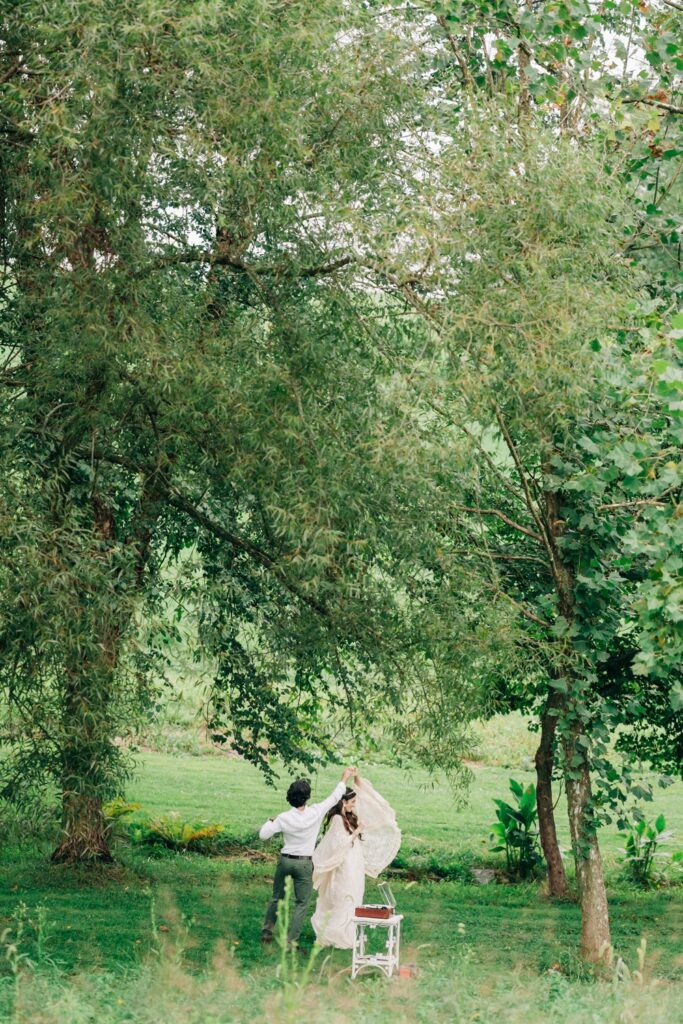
(186, 363)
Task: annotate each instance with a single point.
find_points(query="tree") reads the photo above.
(523, 278)
(185, 364)
(558, 62)
(631, 468)
(548, 392)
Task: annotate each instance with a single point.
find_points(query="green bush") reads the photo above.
(170, 832)
(516, 834)
(433, 864)
(643, 857)
(173, 834)
(119, 808)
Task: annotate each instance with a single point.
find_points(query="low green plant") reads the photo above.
(459, 989)
(12, 942)
(117, 812)
(516, 834)
(432, 864)
(23, 944)
(174, 834)
(642, 855)
(623, 973)
(291, 973)
(119, 808)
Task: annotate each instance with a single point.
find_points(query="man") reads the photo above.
(300, 828)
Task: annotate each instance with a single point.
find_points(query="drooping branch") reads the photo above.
(182, 503)
(531, 616)
(257, 554)
(497, 471)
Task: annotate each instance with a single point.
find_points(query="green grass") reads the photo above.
(456, 992)
(101, 924)
(232, 792)
(505, 741)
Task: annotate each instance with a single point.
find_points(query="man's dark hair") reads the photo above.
(299, 793)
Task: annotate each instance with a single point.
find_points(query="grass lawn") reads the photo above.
(232, 792)
(112, 919)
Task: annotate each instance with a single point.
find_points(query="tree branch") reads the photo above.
(457, 52)
(632, 504)
(183, 504)
(500, 475)
(512, 448)
(500, 515)
(525, 611)
(213, 259)
(670, 107)
(11, 71)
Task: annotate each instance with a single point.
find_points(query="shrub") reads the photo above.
(170, 832)
(433, 864)
(643, 857)
(173, 834)
(119, 808)
(516, 834)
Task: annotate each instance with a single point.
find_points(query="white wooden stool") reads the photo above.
(387, 962)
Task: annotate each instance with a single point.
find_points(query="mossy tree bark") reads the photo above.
(596, 943)
(544, 761)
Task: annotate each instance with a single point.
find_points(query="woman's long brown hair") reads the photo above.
(350, 820)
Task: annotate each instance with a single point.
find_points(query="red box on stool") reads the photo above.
(376, 910)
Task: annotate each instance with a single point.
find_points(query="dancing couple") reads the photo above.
(361, 838)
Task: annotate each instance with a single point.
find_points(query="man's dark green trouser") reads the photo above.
(300, 870)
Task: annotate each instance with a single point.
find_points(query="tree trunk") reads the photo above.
(84, 828)
(84, 831)
(87, 749)
(523, 62)
(595, 928)
(544, 760)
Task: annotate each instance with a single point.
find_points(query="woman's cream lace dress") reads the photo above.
(341, 863)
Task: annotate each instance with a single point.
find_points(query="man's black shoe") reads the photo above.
(266, 937)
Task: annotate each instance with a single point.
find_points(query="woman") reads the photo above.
(362, 838)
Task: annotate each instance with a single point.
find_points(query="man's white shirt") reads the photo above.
(300, 827)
